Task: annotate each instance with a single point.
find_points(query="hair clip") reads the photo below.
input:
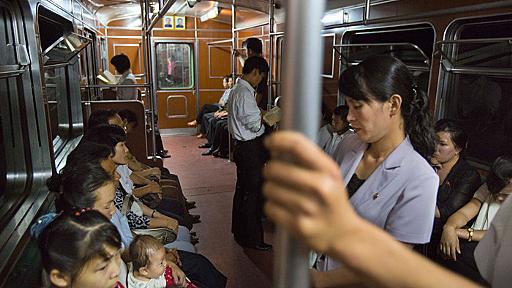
(37, 228)
(79, 212)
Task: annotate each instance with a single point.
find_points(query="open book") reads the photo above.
(107, 78)
(272, 116)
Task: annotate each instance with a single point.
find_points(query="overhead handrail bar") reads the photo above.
(451, 67)
(116, 86)
(302, 94)
(276, 33)
(427, 59)
(251, 26)
(220, 42)
(478, 70)
(159, 15)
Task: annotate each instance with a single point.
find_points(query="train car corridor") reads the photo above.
(211, 182)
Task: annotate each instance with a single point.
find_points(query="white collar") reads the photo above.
(246, 85)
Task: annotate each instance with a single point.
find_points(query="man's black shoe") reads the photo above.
(163, 154)
(219, 154)
(207, 153)
(262, 247)
(190, 204)
(205, 145)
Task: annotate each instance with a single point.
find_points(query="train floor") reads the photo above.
(210, 182)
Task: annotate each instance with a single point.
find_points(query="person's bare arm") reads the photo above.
(148, 172)
(449, 243)
(138, 179)
(152, 187)
(308, 198)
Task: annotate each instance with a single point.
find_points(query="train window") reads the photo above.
(175, 66)
(412, 44)
(103, 54)
(476, 84)
(3, 165)
(328, 67)
(12, 148)
(60, 46)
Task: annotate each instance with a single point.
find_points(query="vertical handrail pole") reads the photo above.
(144, 46)
(366, 15)
(302, 81)
(233, 62)
(271, 51)
(152, 91)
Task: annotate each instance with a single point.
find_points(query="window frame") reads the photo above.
(450, 74)
(190, 45)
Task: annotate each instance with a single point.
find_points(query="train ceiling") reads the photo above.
(249, 12)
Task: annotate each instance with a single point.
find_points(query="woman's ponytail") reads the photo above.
(418, 123)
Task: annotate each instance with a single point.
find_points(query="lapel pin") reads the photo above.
(375, 195)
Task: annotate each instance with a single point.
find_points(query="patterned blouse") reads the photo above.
(135, 221)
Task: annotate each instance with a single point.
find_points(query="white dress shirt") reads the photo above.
(127, 93)
(244, 118)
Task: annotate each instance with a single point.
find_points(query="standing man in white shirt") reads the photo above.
(246, 126)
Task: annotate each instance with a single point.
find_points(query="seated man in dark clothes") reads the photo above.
(227, 82)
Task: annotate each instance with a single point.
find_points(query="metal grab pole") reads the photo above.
(302, 82)
(150, 76)
(271, 51)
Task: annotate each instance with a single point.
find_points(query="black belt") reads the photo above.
(240, 142)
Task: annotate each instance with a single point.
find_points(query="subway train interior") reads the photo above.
(56, 70)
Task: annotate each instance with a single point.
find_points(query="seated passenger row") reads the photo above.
(97, 177)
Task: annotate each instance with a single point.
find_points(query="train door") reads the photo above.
(175, 82)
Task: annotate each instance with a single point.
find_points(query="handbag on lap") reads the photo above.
(165, 235)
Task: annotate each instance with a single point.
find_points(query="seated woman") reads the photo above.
(458, 180)
(459, 238)
(79, 249)
(142, 172)
(87, 184)
(113, 137)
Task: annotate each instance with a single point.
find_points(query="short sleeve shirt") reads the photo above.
(125, 180)
(121, 223)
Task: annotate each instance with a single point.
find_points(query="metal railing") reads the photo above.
(302, 94)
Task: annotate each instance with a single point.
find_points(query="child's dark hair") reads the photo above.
(255, 63)
(106, 135)
(141, 249)
(500, 174)
(457, 134)
(72, 240)
(121, 62)
(378, 78)
(129, 116)
(100, 117)
(227, 77)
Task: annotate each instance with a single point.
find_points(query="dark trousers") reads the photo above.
(207, 118)
(250, 157)
(207, 108)
(201, 271)
(465, 264)
(221, 137)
